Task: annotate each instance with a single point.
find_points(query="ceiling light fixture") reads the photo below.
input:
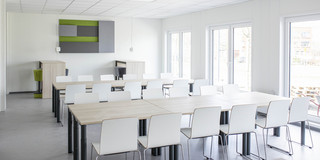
(143, 0)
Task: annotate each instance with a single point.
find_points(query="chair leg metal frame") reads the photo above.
(165, 155)
(265, 141)
(257, 144)
(188, 147)
(115, 153)
(310, 137)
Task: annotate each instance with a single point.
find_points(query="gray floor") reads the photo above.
(28, 131)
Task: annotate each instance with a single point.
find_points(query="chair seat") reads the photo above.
(261, 122)
(96, 146)
(262, 109)
(186, 132)
(224, 128)
(143, 141)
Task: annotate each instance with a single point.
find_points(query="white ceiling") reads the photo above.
(123, 8)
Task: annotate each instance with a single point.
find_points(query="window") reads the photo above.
(230, 55)
(179, 54)
(302, 60)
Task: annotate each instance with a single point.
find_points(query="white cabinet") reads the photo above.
(132, 67)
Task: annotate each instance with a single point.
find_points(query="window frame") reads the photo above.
(169, 54)
(210, 55)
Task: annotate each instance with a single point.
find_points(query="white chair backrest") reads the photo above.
(125, 130)
(277, 114)
(242, 119)
(178, 92)
(149, 76)
(208, 90)
(103, 89)
(107, 77)
(299, 109)
(205, 122)
(63, 79)
(85, 98)
(84, 78)
(119, 96)
(166, 75)
(154, 84)
(164, 130)
(180, 83)
(197, 84)
(134, 88)
(155, 93)
(230, 89)
(130, 77)
(71, 90)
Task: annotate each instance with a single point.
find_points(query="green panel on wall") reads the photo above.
(78, 39)
(78, 22)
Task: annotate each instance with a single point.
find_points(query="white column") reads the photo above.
(3, 54)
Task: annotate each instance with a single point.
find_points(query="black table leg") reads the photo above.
(75, 139)
(83, 142)
(173, 152)
(246, 141)
(69, 132)
(224, 119)
(58, 105)
(276, 132)
(53, 98)
(303, 132)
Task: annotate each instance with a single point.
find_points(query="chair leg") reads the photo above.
(264, 144)
(144, 154)
(91, 151)
(223, 153)
(97, 157)
(139, 154)
(257, 145)
(181, 148)
(62, 114)
(226, 147)
(211, 147)
(188, 145)
(288, 138)
(310, 135)
(289, 141)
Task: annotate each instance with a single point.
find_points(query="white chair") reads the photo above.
(166, 75)
(299, 113)
(180, 83)
(63, 79)
(208, 90)
(119, 96)
(134, 88)
(277, 116)
(103, 89)
(107, 77)
(149, 76)
(155, 93)
(85, 98)
(205, 123)
(178, 92)
(242, 121)
(71, 91)
(163, 130)
(130, 77)
(197, 84)
(117, 136)
(154, 84)
(85, 78)
(230, 89)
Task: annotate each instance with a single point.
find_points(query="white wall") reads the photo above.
(265, 16)
(3, 20)
(33, 37)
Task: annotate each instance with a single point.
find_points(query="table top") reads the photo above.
(143, 109)
(95, 113)
(115, 83)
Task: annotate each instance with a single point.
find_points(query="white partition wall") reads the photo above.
(3, 58)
